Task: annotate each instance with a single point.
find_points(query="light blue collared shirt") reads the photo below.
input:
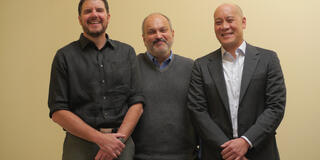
(164, 64)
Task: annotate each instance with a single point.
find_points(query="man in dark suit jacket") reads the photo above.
(237, 94)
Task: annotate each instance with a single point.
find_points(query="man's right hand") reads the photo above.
(110, 146)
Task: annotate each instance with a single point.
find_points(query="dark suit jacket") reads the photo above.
(261, 104)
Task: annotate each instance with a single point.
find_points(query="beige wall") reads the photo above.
(32, 31)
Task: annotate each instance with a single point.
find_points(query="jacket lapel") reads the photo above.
(250, 63)
(216, 71)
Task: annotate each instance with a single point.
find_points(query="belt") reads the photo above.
(111, 130)
(108, 130)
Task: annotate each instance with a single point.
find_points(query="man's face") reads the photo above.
(157, 35)
(228, 25)
(94, 18)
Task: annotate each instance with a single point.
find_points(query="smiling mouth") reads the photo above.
(226, 34)
(94, 22)
(159, 42)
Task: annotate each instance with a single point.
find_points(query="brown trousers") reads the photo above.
(75, 148)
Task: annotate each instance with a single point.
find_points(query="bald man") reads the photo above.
(237, 94)
(164, 131)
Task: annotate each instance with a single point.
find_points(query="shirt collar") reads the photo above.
(84, 42)
(154, 60)
(241, 49)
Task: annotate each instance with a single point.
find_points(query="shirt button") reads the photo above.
(102, 81)
(104, 97)
(101, 65)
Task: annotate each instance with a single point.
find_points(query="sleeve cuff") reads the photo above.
(245, 138)
(135, 100)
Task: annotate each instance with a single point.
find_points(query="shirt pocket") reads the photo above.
(117, 96)
(116, 105)
(120, 72)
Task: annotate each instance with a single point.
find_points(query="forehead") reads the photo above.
(93, 4)
(155, 21)
(226, 11)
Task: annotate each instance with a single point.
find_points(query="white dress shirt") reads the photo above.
(232, 70)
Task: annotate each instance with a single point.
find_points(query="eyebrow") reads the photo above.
(230, 16)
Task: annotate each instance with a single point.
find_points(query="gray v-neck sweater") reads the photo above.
(164, 131)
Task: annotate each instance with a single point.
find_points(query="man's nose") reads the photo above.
(225, 25)
(94, 13)
(158, 34)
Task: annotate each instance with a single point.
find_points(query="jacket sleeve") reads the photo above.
(275, 99)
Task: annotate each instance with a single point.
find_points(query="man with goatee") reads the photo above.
(94, 90)
(164, 131)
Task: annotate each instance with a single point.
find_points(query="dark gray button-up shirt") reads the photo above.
(97, 85)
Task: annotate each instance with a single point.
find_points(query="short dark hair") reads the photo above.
(82, 1)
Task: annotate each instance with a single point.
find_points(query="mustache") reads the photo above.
(158, 40)
(94, 19)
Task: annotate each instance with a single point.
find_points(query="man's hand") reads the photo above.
(235, 149)
(110, 146)
(103, 156)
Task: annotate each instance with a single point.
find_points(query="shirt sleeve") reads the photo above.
(58, 88)
(136, 95)
(246, 139)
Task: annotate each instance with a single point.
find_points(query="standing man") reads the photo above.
(237, 94)
(164, 131)
(94, 93)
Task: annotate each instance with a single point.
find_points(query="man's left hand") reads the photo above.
(101, 155)
(234, 149)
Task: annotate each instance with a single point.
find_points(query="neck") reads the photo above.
(161, 57)
(232, 49)
(99, 41)
(160, 60)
